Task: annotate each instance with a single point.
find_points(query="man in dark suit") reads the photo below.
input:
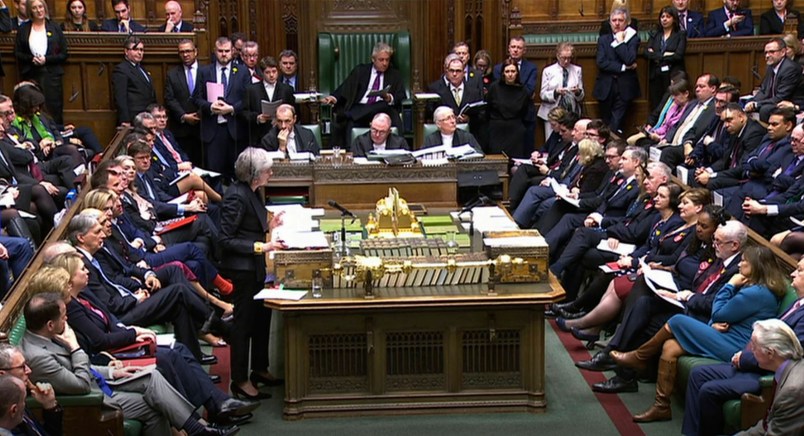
(22, 14)
(729, 21)
(133, 87)
(352, 104)
(715, 139)
(250, 56)
(183, 113)
(527, 77)
(145, 303)
(781, 81)
(222, 135)
(287, 136)
(617, 83)
(173, 19)
(289, 64)
(269, 88)
(457, 91)
(694, 121)
(740, 137)
(690, 21)
(645, 314)
(448, 132)
(122, 22)
(379, 137)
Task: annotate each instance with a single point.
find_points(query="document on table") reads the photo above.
(300, 239)
(516, 241)
(622, 249)
(280, 294)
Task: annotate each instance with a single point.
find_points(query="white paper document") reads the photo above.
(365, 161)
(516, 241)
(563, 192)
(294, 238)
(661, 281)
(522, 161)
(280, 294)
(200, 172)
(622, 249)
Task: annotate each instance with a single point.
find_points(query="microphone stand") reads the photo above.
(343, 248)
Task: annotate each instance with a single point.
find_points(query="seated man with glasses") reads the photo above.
(378, 138)
(781, 81)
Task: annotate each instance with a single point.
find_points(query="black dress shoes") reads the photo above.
(235, 407)
(581, 336)
(219, 431)
(214, 378)
(568, 314)
(600, 362)
(208, 359)
(616, 385)
(257, 380)
(238, 392)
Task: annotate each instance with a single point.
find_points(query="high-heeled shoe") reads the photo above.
(562, 324)
(239, 393)
(256, 379)
(581, 336)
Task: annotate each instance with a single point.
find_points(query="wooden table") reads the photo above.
(416, 350)
(360, 186)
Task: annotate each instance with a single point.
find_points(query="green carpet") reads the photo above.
(572, 409)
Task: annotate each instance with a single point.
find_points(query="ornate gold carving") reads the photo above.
(361, 5)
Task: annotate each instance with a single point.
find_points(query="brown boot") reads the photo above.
(660, 411)
(639, 358)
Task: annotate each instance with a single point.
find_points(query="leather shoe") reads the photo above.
(238, 392)
(600, 362)
(231, 420)
(549, 313)
(208, 359)
(220, 431)
(257, 379)
(562, 324)
(214, 378)
(581, 336)
(567, 314)
(566, 306)
(616, 385)
(235, 407)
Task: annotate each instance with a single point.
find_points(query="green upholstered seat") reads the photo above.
(316, 129)
(731, 409)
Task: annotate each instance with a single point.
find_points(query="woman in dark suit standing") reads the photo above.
(244, 224)
(665, 52)
(41, 50)
(508, 103)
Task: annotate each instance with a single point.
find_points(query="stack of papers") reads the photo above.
(280, 294)
(516, 241)
(295, 217)
(622, 249)
(563, 192)
(492, 218)
(660, 280)
(299, 239)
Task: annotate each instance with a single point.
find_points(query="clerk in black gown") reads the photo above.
(508, 104)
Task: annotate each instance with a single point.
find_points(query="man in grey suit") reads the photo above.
(776, 348)
(448, 132)
(286, 136)
(54, 356)
(379, 137)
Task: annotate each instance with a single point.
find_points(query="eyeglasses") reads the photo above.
(773, 51)
(610, 157)
(20, 366)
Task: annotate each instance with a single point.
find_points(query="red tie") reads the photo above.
(94, 310)
(717, 271)
(173, 152)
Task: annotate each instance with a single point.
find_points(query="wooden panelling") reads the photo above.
(87, 80)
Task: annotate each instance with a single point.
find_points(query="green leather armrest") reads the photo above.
(94, 398)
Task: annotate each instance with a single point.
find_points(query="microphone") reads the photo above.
(344, 211)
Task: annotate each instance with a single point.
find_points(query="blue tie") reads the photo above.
(224, 80)
(101, 381)
(147, 187)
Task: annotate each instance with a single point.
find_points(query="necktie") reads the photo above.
(176, 29)
(190, 80)
(224, 79)
(773, 83)
(791, 310)
(122, 28)
(792, 167)
(715, 271)
(565, 75)
(122, 290)
(767, 150)
(375, 87)
(101, 381)
(94, 310)
(144, 73)
(456, 92)
(33, 427)
(148, 188)
(287, 81)
(682, 19)
(169, 146)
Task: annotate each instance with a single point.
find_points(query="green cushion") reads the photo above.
(132, 427)
(577, 37)
(731, 416)
(789, 298)
(316, 129)
(339, 53)
(16, 333)
(159, 329)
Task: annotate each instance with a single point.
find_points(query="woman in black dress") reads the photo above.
(75, 19)
(508, 103)
(666, 49)
(244, 224)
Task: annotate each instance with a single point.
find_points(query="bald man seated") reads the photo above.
(378, 138)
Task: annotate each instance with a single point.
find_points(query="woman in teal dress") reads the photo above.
(751, 295)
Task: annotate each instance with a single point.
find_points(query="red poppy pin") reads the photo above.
(679, 237)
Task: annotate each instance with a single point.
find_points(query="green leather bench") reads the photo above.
(81, 410)
(734, 417)
(339, 53)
